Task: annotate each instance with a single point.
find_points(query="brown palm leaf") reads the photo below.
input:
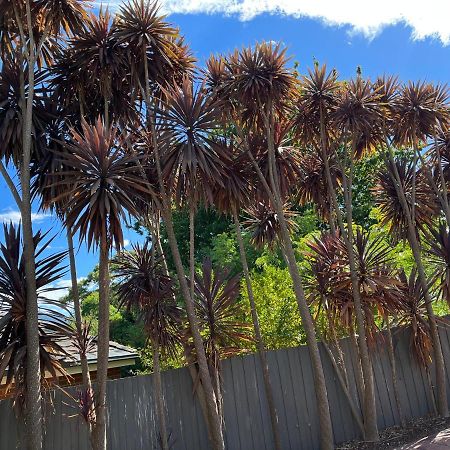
(442, 146)
(11, 116)
(325, 260)
(52, 321)
(192, 159)
(263, 224)
(317, 99)
(413, 313)
(144, 288)
(103, 184)
(418, 110)
(218, 309)
(168, 73)
(358, 115)
(236, 188)
(140, 25)
(311, 185)
(98, 57)
(387, 89)
(438, 250)
(143, 30)
(386, 198)
(259, 78)
(287, 157)
(68, 15)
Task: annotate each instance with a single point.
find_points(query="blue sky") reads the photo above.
(409, 41)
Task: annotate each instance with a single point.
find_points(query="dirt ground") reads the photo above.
(420, 434)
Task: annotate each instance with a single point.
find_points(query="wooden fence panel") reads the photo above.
(132, 423)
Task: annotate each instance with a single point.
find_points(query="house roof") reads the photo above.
(117, 352)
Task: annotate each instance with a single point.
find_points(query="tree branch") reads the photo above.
(11, 185)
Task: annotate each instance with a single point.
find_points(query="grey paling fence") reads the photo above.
(132, 423)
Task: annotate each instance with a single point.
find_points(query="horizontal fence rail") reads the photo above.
(132, 424)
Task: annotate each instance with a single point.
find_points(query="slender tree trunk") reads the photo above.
(357, 362)
(443, 190)
(218, 389)
(157, 386)
(102, 345)
(198, 386)
(337, 345)
(393, 363)
(370, 411)
(369, 406)
(192, 248)
(213, 419)
(344, 386)
(258, 336)
(87, 385)
(187, 353)
(213, 416)
(441, 195)
(33, 374)
(430, 385)
(442, 403)
(326, 429)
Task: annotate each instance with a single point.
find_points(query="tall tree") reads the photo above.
(31, 28)
(144, 287)
(235, 192)
(13, 300)
(255, 87)
(103, 180)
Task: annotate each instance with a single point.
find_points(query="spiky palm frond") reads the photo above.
(236, 188)
(142, 29)
(318, 90)
(80, 90)
(84, 341)
(387, 89)
(218, 307)
(358, 115)
(13, 306)
(259, 78)
(413, 313)
(438, 250)
(103, 183)
(68, 15)
(311, 185)
(47, 182)
(442, 146)
(387, 199)
(11, 115)
(287, 157)
(325, 259)
(317, 99)
(330, 283)
(216, 77)
(418, 110)
(377, 281)
(263, 224)
(144, 287)
(98, 57)
(140, 25)
(180, 66)
(192, 159)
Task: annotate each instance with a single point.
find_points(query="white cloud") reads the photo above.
(14, 216)
(126, 243)
(61, 289)
(426, 19)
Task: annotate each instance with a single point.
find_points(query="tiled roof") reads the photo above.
(116, 352)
